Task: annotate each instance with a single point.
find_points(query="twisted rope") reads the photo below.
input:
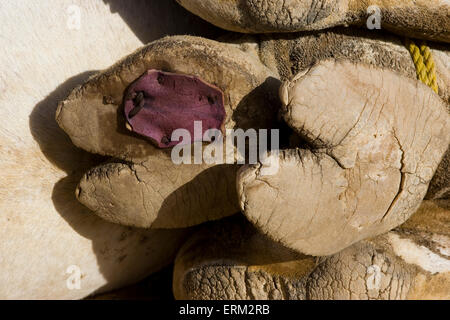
(424, 63)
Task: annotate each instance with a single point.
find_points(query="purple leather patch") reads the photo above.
(160, 102)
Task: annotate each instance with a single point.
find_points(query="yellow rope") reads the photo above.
(429, 62)
(424, 63)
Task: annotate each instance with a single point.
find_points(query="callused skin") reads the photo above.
(231, 260)
(246, 69)
(426, 19)
(147, 189)
(376, 138)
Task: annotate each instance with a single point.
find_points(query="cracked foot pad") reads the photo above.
(376, 140)
(419, 19)
(159, 102)
(149, 190)
(231, 260)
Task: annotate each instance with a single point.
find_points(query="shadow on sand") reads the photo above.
(149, 20)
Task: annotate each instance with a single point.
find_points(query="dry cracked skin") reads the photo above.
(232, 260)
(140, 185)
(147, 189)
(427, 19)
(376, 141)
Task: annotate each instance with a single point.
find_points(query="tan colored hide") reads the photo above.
(231, 260)
(426, 19)
(44, 230)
